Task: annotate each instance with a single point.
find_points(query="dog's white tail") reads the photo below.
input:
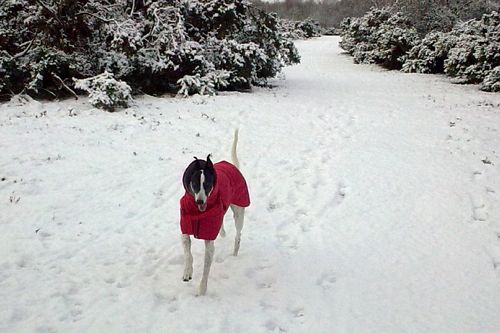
(234, 156)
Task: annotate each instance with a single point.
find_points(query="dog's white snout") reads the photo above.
(200, 197)
(201, 203)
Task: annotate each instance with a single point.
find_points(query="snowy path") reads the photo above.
(375, 208)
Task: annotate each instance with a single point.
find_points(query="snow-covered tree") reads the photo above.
(427, 15)
(105, 91)
(357, 33)
(394, 38)
(42, 44)
(429, 55)
(491, 81)
(300, 29)
(477, 50)
(470, 52)
(150, 44)
(379, 37)
(310, 28)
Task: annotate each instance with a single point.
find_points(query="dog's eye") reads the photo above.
(207, 187)
(195, 187)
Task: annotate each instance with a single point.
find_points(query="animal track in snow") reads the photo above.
(283, 235)
(326, 280)
(483, 198)
(479, 212)
(482, 194)
(476, 175)
(335, 200)
(272, 326)
(296, 311)
(341, 193)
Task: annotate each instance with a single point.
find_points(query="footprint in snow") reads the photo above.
(341, 193)
(296, 312)
(273, 206)
(479, 211)
(265, 284)
(335, 201)
(476, 175)
(326, 280)
(170, 301)
(291, 243)
(272, 326)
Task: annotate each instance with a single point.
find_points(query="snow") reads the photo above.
(374, 207)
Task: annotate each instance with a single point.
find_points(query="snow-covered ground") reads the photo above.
(375, 208)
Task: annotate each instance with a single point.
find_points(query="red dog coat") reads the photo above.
(230, 188)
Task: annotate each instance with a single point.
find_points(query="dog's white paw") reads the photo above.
(188, 274)
(237, 242)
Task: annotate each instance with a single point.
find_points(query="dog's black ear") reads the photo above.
(209, 162)
(196, 158)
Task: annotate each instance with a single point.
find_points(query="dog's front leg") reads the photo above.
(209, 255)
(188, 258)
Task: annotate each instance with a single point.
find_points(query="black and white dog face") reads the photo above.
(199, 180)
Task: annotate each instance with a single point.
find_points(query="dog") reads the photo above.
(210, 190)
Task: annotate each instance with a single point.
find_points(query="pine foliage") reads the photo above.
(491, 81)
(379, 37)
(300, 29)
(470, 53)
(429, 55)
(105, 91)
(156, 46)
(477, 50)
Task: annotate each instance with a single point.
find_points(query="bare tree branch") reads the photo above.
(8, 54)
(23, 52)
(44, 5)
(64, 85)
(50, 92)
(133, 8)
(93, 15)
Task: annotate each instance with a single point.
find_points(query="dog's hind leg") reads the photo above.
(239, 217)
(209, 255)
(222, 231)
(188, 258)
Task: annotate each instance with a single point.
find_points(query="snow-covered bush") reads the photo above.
(310, 28)
(394, 38)
(439, 15)
(477, 50)
(492, 81)
(6, 71)
(429, 55)
(151, 45)
(428, 15)
(203, 85)
(353, 33)
(105, 91)
(40, 45)
(332, 31)
(470, 53)
(300, 29)
(379, 37)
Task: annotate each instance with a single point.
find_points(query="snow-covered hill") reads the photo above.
(375, 208)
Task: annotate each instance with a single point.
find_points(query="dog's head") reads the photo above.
(199, 180)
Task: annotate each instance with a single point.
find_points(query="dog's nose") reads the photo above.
(199, 202)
